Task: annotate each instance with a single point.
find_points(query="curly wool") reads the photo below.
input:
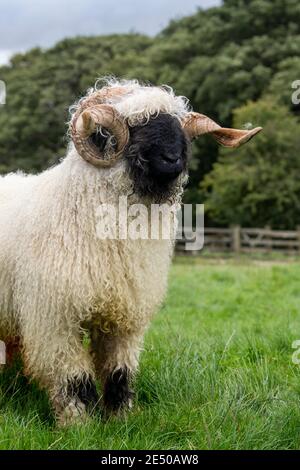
(56, 276)
(141, 101)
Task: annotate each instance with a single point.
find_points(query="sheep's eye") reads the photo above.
(103, 140)
(99, 141)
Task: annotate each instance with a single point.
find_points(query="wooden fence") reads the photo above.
(244, 240)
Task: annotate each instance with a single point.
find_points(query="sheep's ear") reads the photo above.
(196, 124)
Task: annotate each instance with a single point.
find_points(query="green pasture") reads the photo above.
(216, 372)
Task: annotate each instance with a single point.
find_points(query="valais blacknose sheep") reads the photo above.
(59, 280)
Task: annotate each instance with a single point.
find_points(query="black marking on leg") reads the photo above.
(117, 392)
(85, 390)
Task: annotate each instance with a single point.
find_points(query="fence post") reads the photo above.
(298, 233)
(269, 239)
(236, 238)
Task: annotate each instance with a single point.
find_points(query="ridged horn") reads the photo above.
(85, 123)
(196, 124)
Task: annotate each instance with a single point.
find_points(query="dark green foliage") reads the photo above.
(221, 58)
(260, 184)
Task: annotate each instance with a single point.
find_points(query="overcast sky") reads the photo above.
(28, 23)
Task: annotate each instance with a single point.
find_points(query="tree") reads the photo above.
(259, 183)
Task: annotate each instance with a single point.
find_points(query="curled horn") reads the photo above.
(92, 114)
(196, 124)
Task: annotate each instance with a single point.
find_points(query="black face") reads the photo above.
(156, 155)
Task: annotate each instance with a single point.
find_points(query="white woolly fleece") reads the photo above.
(58, 279)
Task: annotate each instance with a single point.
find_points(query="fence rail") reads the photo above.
(246, 240)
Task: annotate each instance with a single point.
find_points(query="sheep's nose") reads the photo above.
(170, 166)
(171, 159)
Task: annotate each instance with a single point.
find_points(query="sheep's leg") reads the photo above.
(117, 393)
(116, 360)
(72, 401)
(64, 368)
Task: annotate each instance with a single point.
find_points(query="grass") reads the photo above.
(216, 372)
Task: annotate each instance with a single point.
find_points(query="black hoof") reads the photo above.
(85, 390)
(117, 393)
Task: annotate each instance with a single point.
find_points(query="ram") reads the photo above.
(59, 280)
